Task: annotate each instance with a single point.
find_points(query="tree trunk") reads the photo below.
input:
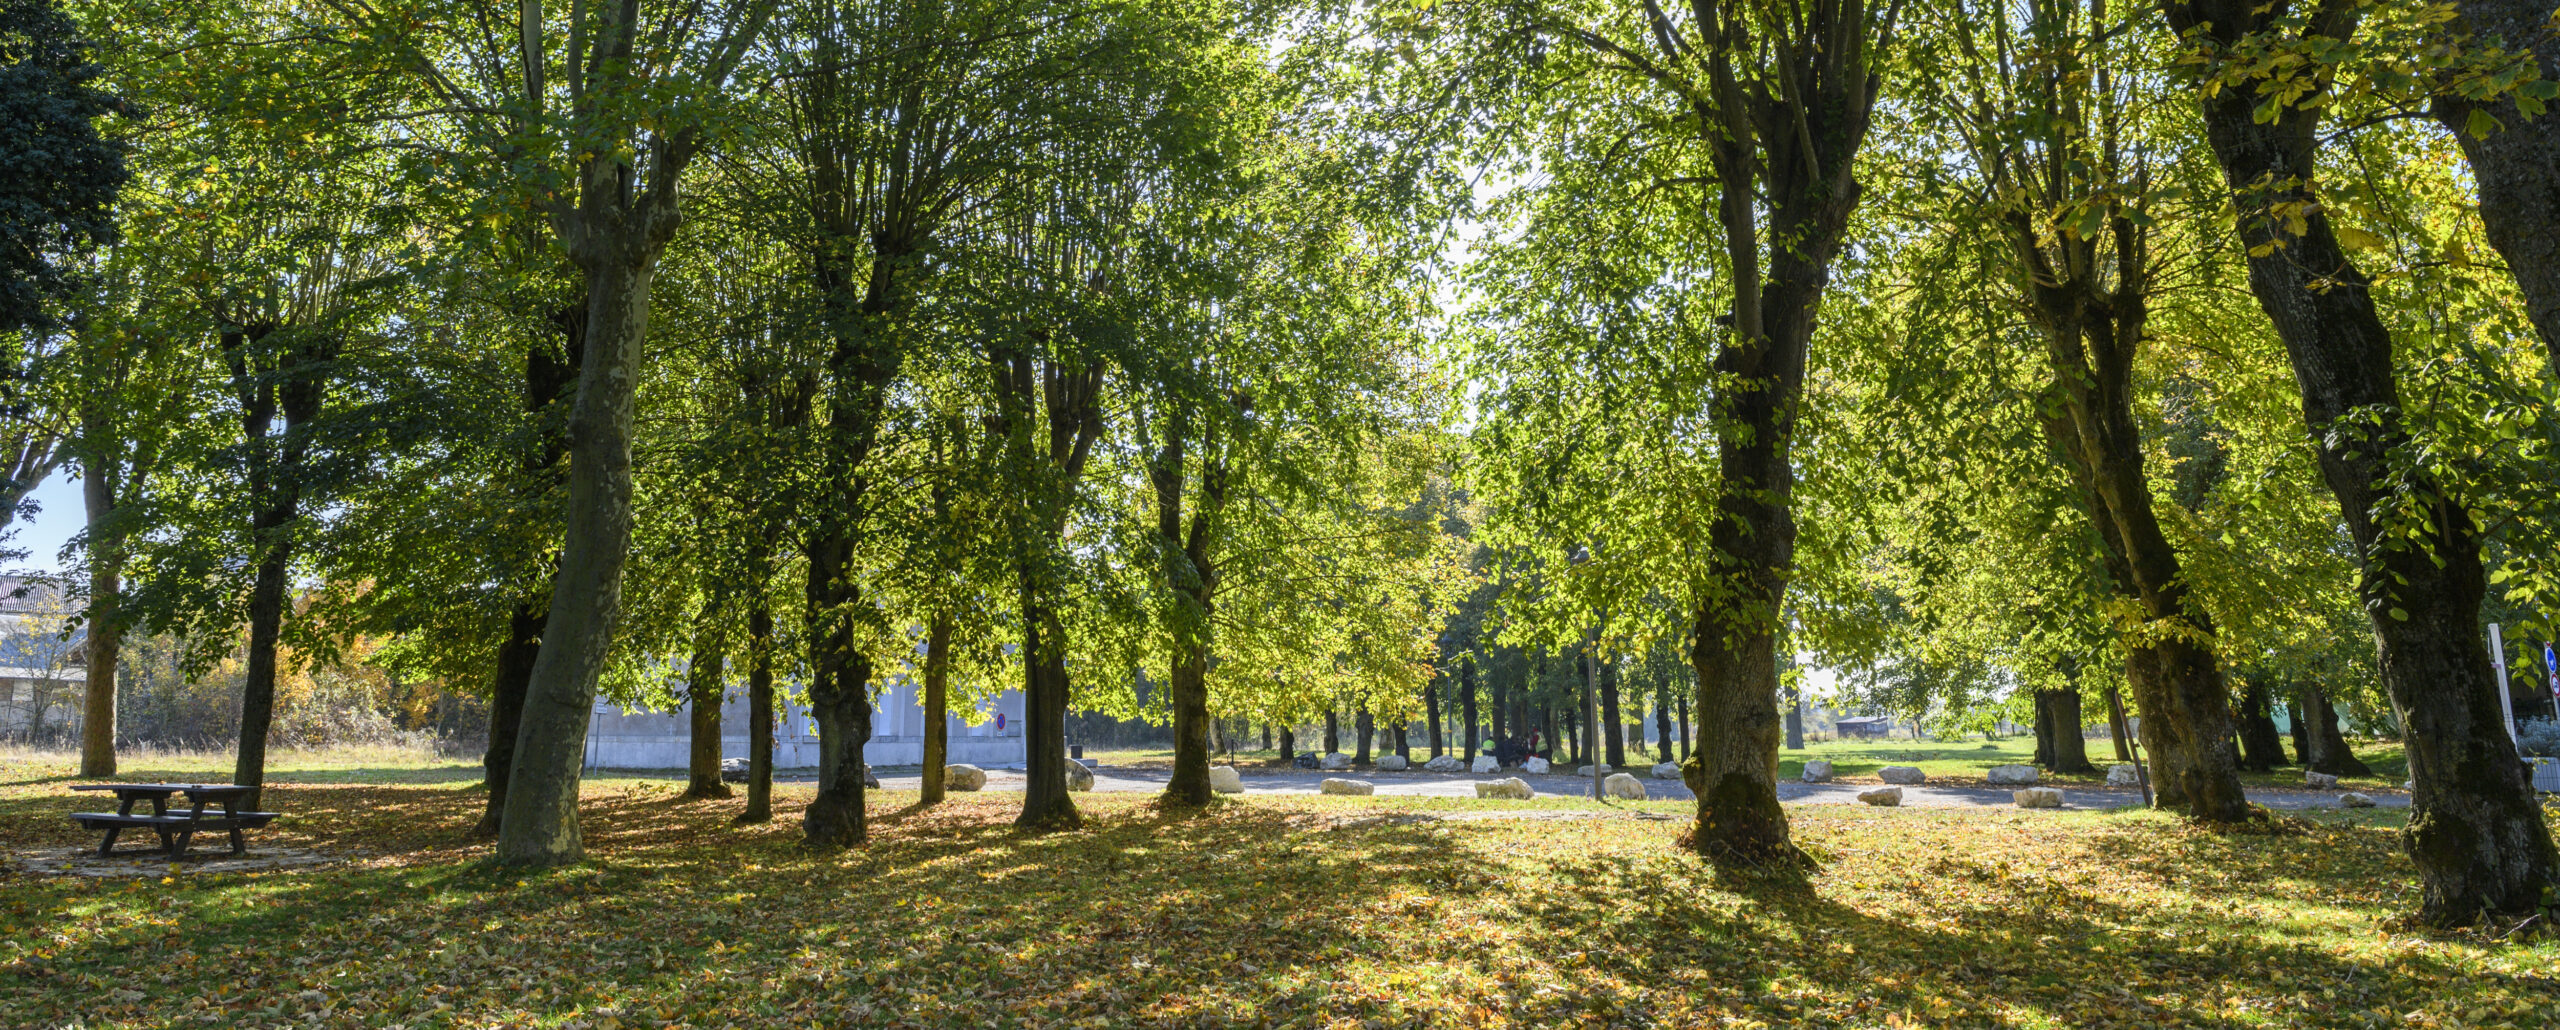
(706, 689)
(840, 703)
(1266, 734)
(288, 380)
(2261, 747)
(1365, 727)
(106, 625)
(1045, 804)
(1193, 582)
(759, 705)
(539, 826)
(2517, 165)
(2329, 753)
(2118, 733)
(937, 706)
(506, 710)
(1501, 712)
(1795, 717)
(2162, 746)
(2044, 728)
(1683, 701)
(1395, 735)
(2070, 747)
(1332, 731)
(2476, 832)
(1617, 738)
(1662, 723)
(1467, 702)
(1431, 710)
(1288, 744)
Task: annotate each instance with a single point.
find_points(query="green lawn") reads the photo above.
(1295, 912)
(1963, 761)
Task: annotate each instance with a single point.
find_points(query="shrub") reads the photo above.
(2539, 737)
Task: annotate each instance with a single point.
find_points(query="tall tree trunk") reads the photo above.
(1795, 717)
(548, 378)
(539, 825)
(1365, 727)
(1617, 739)
(105, 623)
(1662, 723)
(1395, 734)
(937, 706)
(1467, 701)
(2297, 712)
(1045, 804)
(274, 372)
(506, 710)
(2476, 832)
(1193, 582)
(706, 689)
(1332, 731)
(2517, 165)
(1682, 699)
(1502, 725)
(1288, 744)
(759, 704)
(1431, 710)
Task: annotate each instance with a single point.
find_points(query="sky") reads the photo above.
(43, 536)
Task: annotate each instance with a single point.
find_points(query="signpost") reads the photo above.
(2498, 660)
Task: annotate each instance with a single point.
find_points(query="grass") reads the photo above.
(345, 763)
(1857, 761)
(1262, 912)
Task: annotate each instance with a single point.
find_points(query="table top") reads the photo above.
(146, 789)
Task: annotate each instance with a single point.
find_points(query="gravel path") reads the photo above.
(1425, 784)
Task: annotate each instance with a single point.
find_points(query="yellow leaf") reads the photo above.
(2353, 238)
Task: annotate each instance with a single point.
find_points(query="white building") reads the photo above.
(990, 736)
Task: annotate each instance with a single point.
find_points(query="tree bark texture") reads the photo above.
(276, 373)
(759, 705)
(549, 375)
(105, 623)
(2476, 832)
(937, 706)
(705, 690)
(1467, 703)
(1365, 727)
(506, 709)
(1183, 545)
(1332, 731)
(1431, 710)
(2516, 166)
(539, 824)
(1050, 416)
(2118, 733)
(2070, 747)
(1617, 739)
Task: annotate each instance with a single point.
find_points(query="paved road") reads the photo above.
(1423, 784)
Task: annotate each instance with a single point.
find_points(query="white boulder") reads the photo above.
(1623, 786)
(1485, 764)
(1902, 774)
(1534, 766)
(1511, 788)
(733, 770)
(1667, 771)
(1444, 764)
(1392, 763)
(1586, 770)
(1338, 785)
(1885, 797)
(2352, 800)
(1078, 777)
(1336, 761)
(2319, 781)
(2037, 797)
(2012, 776)
(2121, 775)
(1225, 780)
(963, 777)
(1817, 771)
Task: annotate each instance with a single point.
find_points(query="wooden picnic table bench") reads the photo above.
(176, 829)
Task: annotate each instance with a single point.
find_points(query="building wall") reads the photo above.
(619, 738)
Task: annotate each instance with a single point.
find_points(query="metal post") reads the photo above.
(2498, 660)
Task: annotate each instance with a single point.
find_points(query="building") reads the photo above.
(1864, 726)
(43, 673)
(990, 737)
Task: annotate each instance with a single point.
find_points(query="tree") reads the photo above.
(58, 174)
(2476, 834)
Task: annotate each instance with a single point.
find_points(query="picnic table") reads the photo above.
(176, 829)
